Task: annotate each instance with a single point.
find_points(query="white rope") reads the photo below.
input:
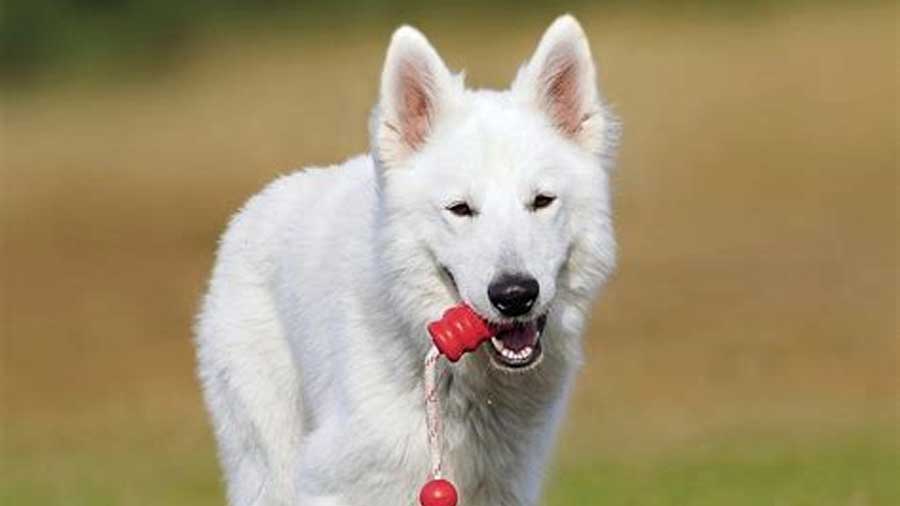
(432, 412)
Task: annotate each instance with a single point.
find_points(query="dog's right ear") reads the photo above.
(416, 88)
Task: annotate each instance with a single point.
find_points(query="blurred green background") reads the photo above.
(745, 354)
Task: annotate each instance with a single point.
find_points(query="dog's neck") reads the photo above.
(509, 420)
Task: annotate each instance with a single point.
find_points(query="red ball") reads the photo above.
(438, 493)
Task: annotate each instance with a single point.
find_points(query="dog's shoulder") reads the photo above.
(297, 203)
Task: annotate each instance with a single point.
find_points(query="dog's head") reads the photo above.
(499, 199)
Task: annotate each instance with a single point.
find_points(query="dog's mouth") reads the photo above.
(518, 345)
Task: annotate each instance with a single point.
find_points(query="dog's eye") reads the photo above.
(460, 209)
(541, 201)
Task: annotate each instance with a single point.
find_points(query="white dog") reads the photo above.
(312, 337)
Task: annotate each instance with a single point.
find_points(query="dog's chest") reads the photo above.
(487, 456)
(491, 453)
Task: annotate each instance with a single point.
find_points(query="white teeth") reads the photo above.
(515, 356)
(525, 353)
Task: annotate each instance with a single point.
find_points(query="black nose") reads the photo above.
(513, 294)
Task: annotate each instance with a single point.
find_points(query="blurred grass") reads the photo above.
(854, 471)
(746, 352)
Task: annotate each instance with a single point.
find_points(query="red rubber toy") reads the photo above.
(438, 493)
(459, 331)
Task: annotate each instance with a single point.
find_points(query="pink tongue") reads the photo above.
(518, 337)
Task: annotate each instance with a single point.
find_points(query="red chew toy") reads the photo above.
(438, 493)
(460, 330)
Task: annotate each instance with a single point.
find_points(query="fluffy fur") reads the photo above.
(312, 335)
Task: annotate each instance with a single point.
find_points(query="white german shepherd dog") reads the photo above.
(312, 336)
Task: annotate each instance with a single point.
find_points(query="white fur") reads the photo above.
(312, 336)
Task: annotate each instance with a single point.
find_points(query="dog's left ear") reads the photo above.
(416, 89)
(560, 79)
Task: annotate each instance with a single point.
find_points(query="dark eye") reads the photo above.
(541, 201)
(460, 209)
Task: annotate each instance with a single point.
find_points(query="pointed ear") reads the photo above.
(560, 79)
(416, 88)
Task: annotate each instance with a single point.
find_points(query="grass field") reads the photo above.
(745, 354)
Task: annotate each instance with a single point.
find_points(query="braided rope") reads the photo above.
(432, 412)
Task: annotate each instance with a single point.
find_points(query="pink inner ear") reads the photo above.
(416, 107)
(561, 94)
